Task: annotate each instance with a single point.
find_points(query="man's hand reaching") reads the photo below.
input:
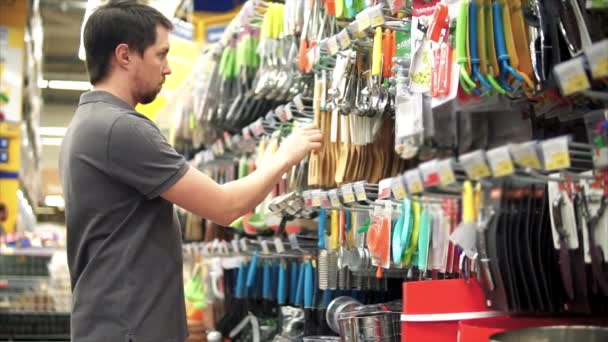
(297, 146)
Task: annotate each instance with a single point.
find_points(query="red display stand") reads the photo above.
(433, 309)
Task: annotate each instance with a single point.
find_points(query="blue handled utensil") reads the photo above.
(322, 223)
(308, 285)
(300, 291)
(251, 272)
(501, 49)
(294, 271)
(282, 284)
(473, 47)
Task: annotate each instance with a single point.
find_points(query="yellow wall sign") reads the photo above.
(10, 148)
(13, 15)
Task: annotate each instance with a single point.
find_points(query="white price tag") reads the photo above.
(257, 128)
(376, 15)
(500, 161)
(600, 157)
(316, 198)
(571, 76)
(297, 100)
(246, 133)
(430, 173)
(344, 39)
(360, 193)
(597, 56)
(278, 245)
(348, 196)
(280, 113)
(384, 188)
(334, 200)
(332, 45)
(474, 164)
(325, 200)
(446, 172)
(413, 181)
(363, 21)
(307, 198)
(556, 153)
(287, 112)
(526, 155)
(398, 188)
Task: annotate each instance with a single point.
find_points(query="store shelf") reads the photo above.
(30, 251)
(21, 282)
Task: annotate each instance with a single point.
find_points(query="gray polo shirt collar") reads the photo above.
(103, 96)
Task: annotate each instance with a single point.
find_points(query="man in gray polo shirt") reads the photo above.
(121, 179)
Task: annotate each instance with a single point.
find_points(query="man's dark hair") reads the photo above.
(119, 22)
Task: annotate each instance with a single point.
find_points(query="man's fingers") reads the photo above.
(318, 137)
(316, 146)
(311, 131)
(308, 127)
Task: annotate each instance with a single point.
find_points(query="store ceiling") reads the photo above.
(61, 23)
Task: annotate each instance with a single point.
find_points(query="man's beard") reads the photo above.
(148, 97)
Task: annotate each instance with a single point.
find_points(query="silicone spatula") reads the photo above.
(487, 52)
(282, 284)
(299, 298)
(511, 45)
(251, 272)
(397, 248)
(266, 285)
(493, 67)
(322, 224)
(521, 39)
(334, 232)
(294, 271)
(501, 49)
(474, 46)
(408, 225)
(241, 278)
(377, 53)
(339, 8)
(462, 56)
(308, 285)
(413, 247)
(424, 239)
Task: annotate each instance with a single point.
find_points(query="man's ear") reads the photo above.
(122, 55)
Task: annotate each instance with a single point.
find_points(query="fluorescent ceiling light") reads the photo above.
(54, 201)
(70, 85)
(52, 131)
(64, 85)
(51, 141)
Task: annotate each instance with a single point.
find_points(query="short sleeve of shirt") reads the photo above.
(140, 156)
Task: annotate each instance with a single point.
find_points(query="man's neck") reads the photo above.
(119, 91)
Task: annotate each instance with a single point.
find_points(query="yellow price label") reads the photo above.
(480, 171)
(377, 20)
(349, 197)
(361, 195)
(417, 187)
(363, 22)
(504, 168)
(529, 161)
(447, 178)
(316, 201)
(558, 160)
(576, 83)
(601, 68)
(399, 193)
